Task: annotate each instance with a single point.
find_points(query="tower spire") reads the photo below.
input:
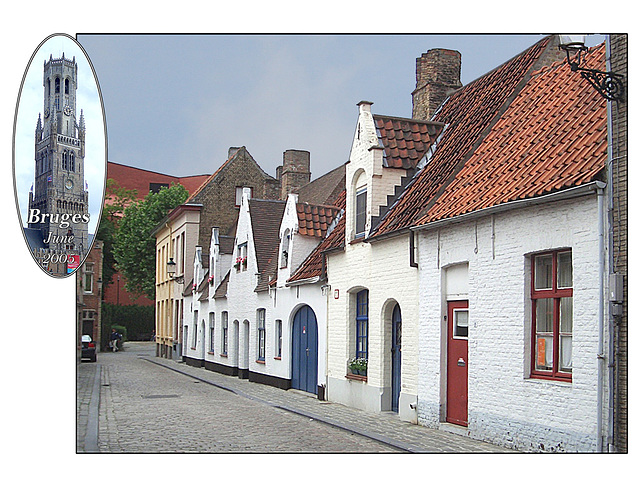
(39, 129)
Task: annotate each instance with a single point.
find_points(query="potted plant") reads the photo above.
(358, 366)
(237, 263)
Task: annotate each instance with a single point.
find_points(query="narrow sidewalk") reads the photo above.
(87, 406)
(385, 427)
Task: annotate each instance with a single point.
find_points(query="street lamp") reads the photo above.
(171, 270)
(608, 84)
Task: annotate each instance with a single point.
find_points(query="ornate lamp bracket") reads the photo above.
(608, 84)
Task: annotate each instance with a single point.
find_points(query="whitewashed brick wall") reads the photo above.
(382, 268)
(505, 406)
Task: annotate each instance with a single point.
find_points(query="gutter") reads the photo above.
(567, 194)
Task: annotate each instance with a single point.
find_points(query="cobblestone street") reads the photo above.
(148, 404)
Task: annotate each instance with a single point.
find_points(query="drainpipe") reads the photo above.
(610, 445)
(601, 355)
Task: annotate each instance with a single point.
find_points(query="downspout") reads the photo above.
(323, 275)
(610, 444)
(601, 299)
(412, 249)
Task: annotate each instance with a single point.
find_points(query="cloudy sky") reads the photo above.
(175, 104)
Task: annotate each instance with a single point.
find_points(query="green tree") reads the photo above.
(134, 248)
(116, 200)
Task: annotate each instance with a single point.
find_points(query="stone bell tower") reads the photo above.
(59, 184)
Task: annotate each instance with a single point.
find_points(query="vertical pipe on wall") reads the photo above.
(601, 299)
(610, 155)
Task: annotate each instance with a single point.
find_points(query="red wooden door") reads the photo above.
(457, 361)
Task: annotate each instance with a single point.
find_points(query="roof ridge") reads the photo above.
(405, 119)
(472, 114)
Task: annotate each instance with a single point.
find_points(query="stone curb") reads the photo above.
(91, 436)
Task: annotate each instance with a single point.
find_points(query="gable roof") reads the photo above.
(551, 137)
(324, 190)
(314, 220)
(405, 141)
(266, 217)
(269, 276)
(469, 114)
(313, 265)
(233, 154)
(221, 290)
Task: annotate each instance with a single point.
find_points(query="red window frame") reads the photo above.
(556, 293)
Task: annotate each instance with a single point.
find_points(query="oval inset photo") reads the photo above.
(59, 155)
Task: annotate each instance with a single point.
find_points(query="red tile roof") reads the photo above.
(313, 220)
(313, 265)
(469, 113)
(405, 141)
(139, 179)
(552, 136)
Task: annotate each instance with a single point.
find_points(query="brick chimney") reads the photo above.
(437, 76)
(295, 171)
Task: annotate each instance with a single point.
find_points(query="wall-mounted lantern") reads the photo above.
(608, 84)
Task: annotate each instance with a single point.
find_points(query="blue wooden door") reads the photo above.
(396, 357)
(304, 351)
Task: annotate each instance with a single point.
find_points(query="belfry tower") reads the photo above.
(59, 186)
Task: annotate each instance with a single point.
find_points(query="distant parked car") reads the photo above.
(88, 348)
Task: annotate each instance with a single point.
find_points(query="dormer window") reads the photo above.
(284, 260)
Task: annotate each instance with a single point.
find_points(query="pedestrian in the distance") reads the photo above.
(115, 336)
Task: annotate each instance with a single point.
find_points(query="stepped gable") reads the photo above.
(553, 136)
(266, 216)
(405, 141)
(468, 114)
(313, 265)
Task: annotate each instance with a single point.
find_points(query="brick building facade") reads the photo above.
(89, 294)
(619, 235)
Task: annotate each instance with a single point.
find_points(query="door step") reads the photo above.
(453, 428)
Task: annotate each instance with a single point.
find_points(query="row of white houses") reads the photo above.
(458, 281)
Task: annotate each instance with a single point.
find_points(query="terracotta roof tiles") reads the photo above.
(468, 113)
(313, 265)
(552, 136)
(314, 220)
(405, 141)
